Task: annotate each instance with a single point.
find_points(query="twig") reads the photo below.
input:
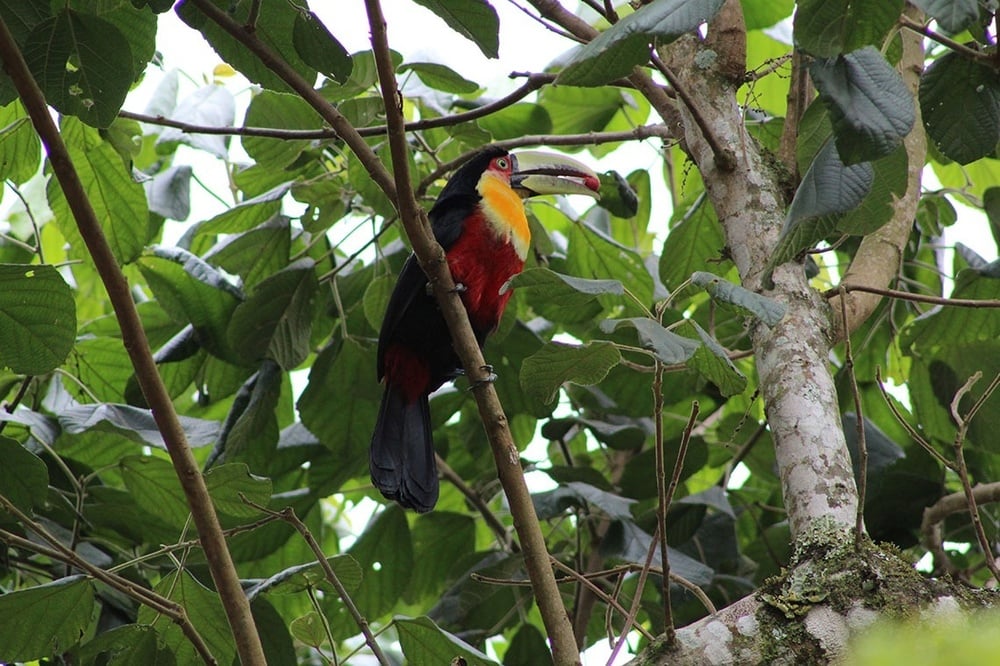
(924, 30)
(916, 298)
(934, 515)
(862, 482)
(586, 581)
(498, 529)
(134, 339)
(963, 471)
(663, 503)
(910, 430)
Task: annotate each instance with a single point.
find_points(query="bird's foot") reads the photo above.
(488, 379)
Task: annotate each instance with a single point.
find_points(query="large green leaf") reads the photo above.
(44, 621)
(275, 27)
(696, 242)
(385, 552)
(424, 642)
(279, 111)
(204, 610)
(441, 77)
(744, 301)
(118, 201)
(960, 106)
(953, 15)
(254, 254)
(136, 424)
(613, 53)
(319, 48)
(37, 318)
(829, 189)
(250, 431)
(83, 64)
(870, 107)
(24, 479)
(275, 320)
(564, 298)
(827, 28)
(475, 20)
(712, 362)
(543, 373)
(669, 347)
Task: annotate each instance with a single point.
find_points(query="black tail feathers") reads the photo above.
(401, 457)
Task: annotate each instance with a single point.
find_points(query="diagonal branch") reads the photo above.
(505, 453)
(136, 344)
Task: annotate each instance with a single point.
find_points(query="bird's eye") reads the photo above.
(502, 163)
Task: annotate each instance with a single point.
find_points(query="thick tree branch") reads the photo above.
(505, 453)
(134, 339)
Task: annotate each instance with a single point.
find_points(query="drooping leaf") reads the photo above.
(210, 106)
(41, 621)
(37, 318)
(870, 107)
(557, 363)
(275, 319)
(828, 189)
(712, 362)
(136, 424)
(564, 298)
(250, 431)
(320, 49)
(960, 106)
(229, 484)
(424, 642)
(169, 192)
(300, 577)
(669, 347)
(954, 16)
(692, 244)
(254, 254)
(745, 301)
(475, 20)
(613, 53)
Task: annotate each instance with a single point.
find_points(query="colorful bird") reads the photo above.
(480, 222)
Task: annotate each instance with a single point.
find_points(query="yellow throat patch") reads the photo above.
(504, 210)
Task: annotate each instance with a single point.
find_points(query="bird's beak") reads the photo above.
(537, 172)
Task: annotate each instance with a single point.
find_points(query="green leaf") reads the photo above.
(743, 300)
(613, 53)
(20, 149)
(275, 321)
(424, 642)
(169, 192)
(250, 431)
(712, 362)
(870, 107)
(319, 48)
(760, 14)
(828, 189)
(245, 215)
(37, 318)
(517, 120)
(204, 610)
(617, 195)
(953, 16)
(669, 347)
(153, 486)
(592, 254)
(475, 20)
(83, 64)
(310, 629)
(960, 106)
(228, 484)
(827, 28)
(376, 299)
(552, 503)
(434, 533)
(877, 208)
(126, 644)
(24, 478)
(118, 201)
(301, 577)
(385, 552)
(45, 620)
(692, 245)
(441, 77)
(193, 292)
(254, 254)
(136, 25)
(279, 111)
(544, 372)
(577, 110)
(564, 298)
(275, 27)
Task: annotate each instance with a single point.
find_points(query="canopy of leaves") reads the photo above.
(263, 319)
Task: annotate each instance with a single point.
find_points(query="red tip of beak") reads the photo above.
(592, 183)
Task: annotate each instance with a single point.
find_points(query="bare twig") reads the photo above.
(923, 29)
(916, 298)
(934, 515)
(136, 344)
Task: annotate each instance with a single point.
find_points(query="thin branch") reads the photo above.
(910, 430)
(916, 298)
(586, 581)
(498, 529)
(137, 345)
(862, 481)
(934, 515)
(924, 29)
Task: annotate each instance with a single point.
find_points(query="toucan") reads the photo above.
(479, 221)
